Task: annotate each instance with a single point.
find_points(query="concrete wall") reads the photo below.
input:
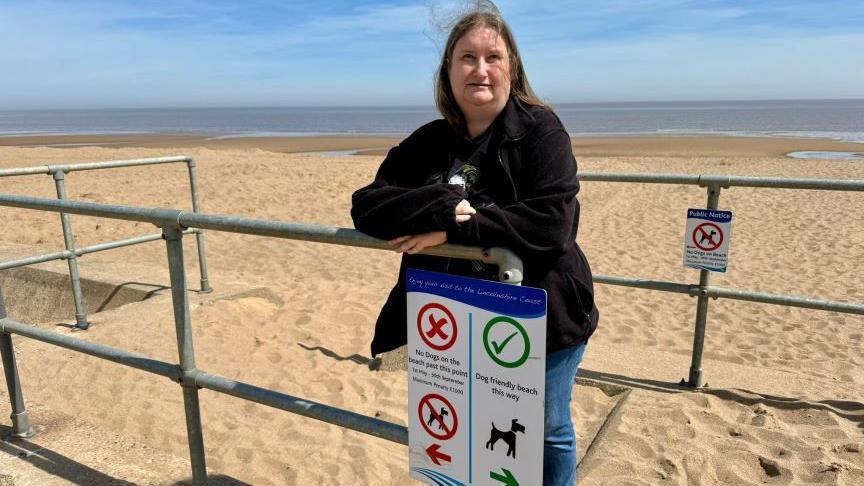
(34, 295)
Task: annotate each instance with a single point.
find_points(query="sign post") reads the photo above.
(706, 239)
(476, 380)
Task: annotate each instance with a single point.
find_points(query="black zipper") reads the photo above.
(501, 162)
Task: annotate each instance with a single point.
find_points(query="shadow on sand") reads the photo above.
(53, 463)
(361, 360)
(849, 410)
(215, 480)
(63, 467)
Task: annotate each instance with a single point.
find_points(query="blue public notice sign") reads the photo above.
(706, 239)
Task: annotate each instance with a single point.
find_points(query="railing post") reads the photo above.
(199, 237)
(695, 379)
(174, 241)
(20, 423)
(59, 174)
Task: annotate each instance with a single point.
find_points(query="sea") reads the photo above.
(834, 119)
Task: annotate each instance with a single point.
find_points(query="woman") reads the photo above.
(498, 170)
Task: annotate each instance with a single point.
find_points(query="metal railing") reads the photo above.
(703, 291)
(173, 223)
(71, 253)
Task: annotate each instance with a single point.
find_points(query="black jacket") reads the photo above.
(525, 201)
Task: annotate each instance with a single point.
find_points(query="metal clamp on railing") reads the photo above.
(715, 182)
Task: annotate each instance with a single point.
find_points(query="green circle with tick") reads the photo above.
(514, 364)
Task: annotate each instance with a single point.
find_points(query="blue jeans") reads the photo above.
(559, 443)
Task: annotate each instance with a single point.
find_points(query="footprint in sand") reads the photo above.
(243, 454)
(381, 389)
(641, 447)
(333, 385)
(331, 469)
(356, 451)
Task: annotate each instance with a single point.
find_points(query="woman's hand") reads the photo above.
(417, 243)
(464, 211)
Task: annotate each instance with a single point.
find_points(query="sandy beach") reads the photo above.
(784, 405)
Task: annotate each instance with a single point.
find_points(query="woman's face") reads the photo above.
(480, 72)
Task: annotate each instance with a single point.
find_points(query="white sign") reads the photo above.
(706, 239)
(476, 380)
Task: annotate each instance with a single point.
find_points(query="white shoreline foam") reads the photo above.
(825, 155)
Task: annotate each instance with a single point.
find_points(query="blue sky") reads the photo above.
(76, 54)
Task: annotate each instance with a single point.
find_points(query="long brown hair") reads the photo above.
(484, 15)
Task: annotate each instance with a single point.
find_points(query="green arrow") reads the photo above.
(506, 478)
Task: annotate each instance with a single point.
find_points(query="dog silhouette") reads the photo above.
(508, 436)
(710, 237)
(439, 418)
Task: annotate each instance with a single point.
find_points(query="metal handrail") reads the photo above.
(726, 181)
(186, 373)
(715, 183)
(107, 164)
(361, 423)
(725, 293)
(66, 254)
(71, 254)
(508, 262)
(173, 223)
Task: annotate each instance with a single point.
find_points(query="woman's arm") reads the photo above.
(545, 217)
(400, 201)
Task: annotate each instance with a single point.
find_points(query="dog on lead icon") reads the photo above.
(508, 436)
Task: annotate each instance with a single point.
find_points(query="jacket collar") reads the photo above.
(516, 120)
(512, 123)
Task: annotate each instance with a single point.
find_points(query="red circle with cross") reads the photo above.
(435, 336)
(432, 403)
(704, 233)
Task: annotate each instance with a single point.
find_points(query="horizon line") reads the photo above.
(432, 106)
